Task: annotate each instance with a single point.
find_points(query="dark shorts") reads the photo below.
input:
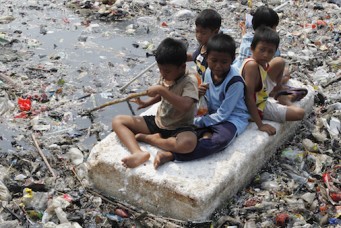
(222, 135)
(153, 128)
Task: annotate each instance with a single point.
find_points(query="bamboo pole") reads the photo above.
(42, 155)
(137, 76)
(281, 6)
(130, 96)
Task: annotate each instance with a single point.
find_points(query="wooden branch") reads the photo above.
(336, 79)
(8, 80)
(130, 96)
(141, 214)
(42, 155)
(137, 76)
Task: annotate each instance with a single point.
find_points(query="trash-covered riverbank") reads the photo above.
(61, 58)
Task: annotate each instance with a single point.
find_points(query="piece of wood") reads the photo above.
(281, 6)
(130, 96)
(332, 81)
(8, 80)
(43, 156)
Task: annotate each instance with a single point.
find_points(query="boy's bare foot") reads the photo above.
(135, 159)
(162, 157)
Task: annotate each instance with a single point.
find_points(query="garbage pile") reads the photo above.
(57, 61)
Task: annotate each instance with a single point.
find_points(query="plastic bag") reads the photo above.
(202, 106)
(24, 104)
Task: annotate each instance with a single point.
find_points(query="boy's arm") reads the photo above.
(147, 103)
(252, 79)
(183, 103)
(233, 95)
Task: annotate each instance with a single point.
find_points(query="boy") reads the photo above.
(260, 79)
(228, 116)
(263, 16)
(207, 24)
(178, 93)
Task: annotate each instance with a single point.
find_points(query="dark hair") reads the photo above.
(264, 16)
(222, 43)
(265, 34)
(171, 51)
(208, 18)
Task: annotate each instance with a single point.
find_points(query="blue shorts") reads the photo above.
(222, 135)
(153, 128)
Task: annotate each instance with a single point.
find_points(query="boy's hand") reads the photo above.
(202, 89)
(141, 104)
(154, 90)
(268, 129)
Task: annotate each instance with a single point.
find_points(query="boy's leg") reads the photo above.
(294, 113)
(281, 113)
(285, 100)
(280, 75)
(162, 157)
(286, 75)
(222, 135)
(126, 127)
(275, 111)
(183, 142)
(275, 71)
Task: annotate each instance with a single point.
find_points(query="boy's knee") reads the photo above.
(188, 144)
(116, 121)
(278, 62)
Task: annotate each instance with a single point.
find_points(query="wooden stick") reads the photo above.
(42, 155)
(8, 80)
(130, 96)
(336, 79)
(12, 213)
(169, 222)
(137, 76)
(281, 6)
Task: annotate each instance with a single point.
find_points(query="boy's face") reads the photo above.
(171, 72)
(263, 52)
(219, 63)
(204, 34)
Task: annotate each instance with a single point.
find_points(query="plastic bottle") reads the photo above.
(62, 216)
(56, 205)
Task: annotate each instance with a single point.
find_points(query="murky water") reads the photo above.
(96, 59)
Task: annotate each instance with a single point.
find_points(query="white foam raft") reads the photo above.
(188, 190)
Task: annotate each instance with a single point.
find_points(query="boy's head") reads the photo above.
(207, 24)
(264, 44)
(221, 50)
(265, 16)
(171, 56)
